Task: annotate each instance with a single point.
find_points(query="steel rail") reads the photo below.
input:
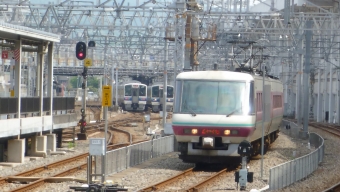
(41, 181)
(334, 188)
(326, 128)
(52, 165)
(158, 185)
(205, 182)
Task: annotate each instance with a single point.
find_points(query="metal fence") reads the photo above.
(123, 158)
(290, 172)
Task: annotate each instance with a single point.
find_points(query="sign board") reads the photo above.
(88, 62)
(97, 146)
(106, 93)
(4, 55)
(7, 54)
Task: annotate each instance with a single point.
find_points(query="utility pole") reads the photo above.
(306, 72)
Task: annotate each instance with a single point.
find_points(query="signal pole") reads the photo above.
(81, 50)
(82, 135)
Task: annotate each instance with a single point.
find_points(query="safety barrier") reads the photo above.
(123, 158)
(290, 172)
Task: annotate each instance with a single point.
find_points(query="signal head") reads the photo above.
(81, 50)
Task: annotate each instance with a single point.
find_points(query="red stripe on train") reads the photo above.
(213, 131)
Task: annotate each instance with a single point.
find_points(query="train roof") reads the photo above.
(132, 83)
(215, 75)
(159, 84)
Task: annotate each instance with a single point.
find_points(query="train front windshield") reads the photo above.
(214, 97)
(128, 90)
(155, 91)
(142, 90)
(135, 90)
(170, 92)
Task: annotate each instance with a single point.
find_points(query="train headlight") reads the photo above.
(226, 132)
(234, 132)
(194, 131)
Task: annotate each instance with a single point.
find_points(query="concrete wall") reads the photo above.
(13, 127)
(31, 125)
(47, 122)
(9, 127)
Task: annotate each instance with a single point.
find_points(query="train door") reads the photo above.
(135, 94)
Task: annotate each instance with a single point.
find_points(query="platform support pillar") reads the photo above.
(16, 150)
(38, 146)
(51, 142)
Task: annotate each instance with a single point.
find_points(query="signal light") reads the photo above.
(81, 50)
(82, 123)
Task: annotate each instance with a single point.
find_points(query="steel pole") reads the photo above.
(306, 78)
(263, 114)
(165, 87)
(117, 87)
(105, 117)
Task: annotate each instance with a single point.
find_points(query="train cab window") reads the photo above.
(170, 92)
(142, 90)
(155, 91)
(214, 97)
(128, 90)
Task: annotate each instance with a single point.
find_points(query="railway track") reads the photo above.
(27, 175)
(332, 129)
(34, 182)
(198, 177)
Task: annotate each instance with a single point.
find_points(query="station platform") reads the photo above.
(30, 118)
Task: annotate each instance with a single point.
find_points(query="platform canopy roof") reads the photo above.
(29, 36)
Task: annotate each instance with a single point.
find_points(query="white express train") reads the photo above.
(131, 96)
(155, 97)
(214, 111)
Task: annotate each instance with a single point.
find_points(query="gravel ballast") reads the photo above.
(169, 165)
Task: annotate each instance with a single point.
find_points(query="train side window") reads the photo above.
(251, 98)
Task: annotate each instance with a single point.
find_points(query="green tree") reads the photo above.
(74, 82)
(92, 82)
